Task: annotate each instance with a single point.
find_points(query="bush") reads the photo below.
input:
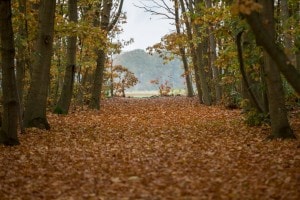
(58, 110)
(232, 101)
(255, 118)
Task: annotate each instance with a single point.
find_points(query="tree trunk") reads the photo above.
(67, 90)
(106, 25)
(298, 60)
(287, 40)
(264, 91)
(21, 58)
(98, 79)
(297, 40)
(111, 79)
(278, 113)
(21, 61)
(8, 133)
(35, 108)
(202, 75)
(101, 55)
(187, 76)
(245, 80)
(202, 62)
(123, 90)
(189, 86)
(213, 57)
(215, 70)
(192, 47)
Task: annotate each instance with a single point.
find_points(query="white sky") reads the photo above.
(146, 30)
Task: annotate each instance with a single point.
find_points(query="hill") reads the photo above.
(148, 67)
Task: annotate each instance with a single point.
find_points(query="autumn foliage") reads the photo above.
(156, 148)
(123, 79)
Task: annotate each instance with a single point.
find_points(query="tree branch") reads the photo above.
(116, 18)
(242, 69)
(169, 14)
(264, 39)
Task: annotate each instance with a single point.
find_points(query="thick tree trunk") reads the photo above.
(187, 76)
(8, 132)
(64, 101)
(278, 113)
(35, 108)
(202, 61)
(202, 75)
(33, 9)
(98, 79)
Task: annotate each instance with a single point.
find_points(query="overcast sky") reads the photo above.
(145, 29)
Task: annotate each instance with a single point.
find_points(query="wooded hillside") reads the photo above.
(150, 67)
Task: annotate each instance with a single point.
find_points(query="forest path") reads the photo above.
(160, 148)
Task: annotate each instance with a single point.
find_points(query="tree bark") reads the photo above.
(21, 58)
(187, 76)
(98, 79)
(213, 57)
(298, 60)
(279, 122)
(106, 25)
(101, 56)
(284, 13)
(35, 108)
(244, 76)
(64, 101)
(192, 47)
(215, 70)
(297, 40)
(202, 75)
(8, 132)
(202, 62)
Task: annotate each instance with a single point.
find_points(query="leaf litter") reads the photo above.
(153, 148)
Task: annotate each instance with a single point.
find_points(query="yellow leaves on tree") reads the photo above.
(246, 7)
(123, 79)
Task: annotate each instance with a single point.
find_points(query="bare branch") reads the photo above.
(158, 8)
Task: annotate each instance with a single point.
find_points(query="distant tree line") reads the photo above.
(148, 67)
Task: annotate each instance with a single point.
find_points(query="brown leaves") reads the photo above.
(162, 148)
